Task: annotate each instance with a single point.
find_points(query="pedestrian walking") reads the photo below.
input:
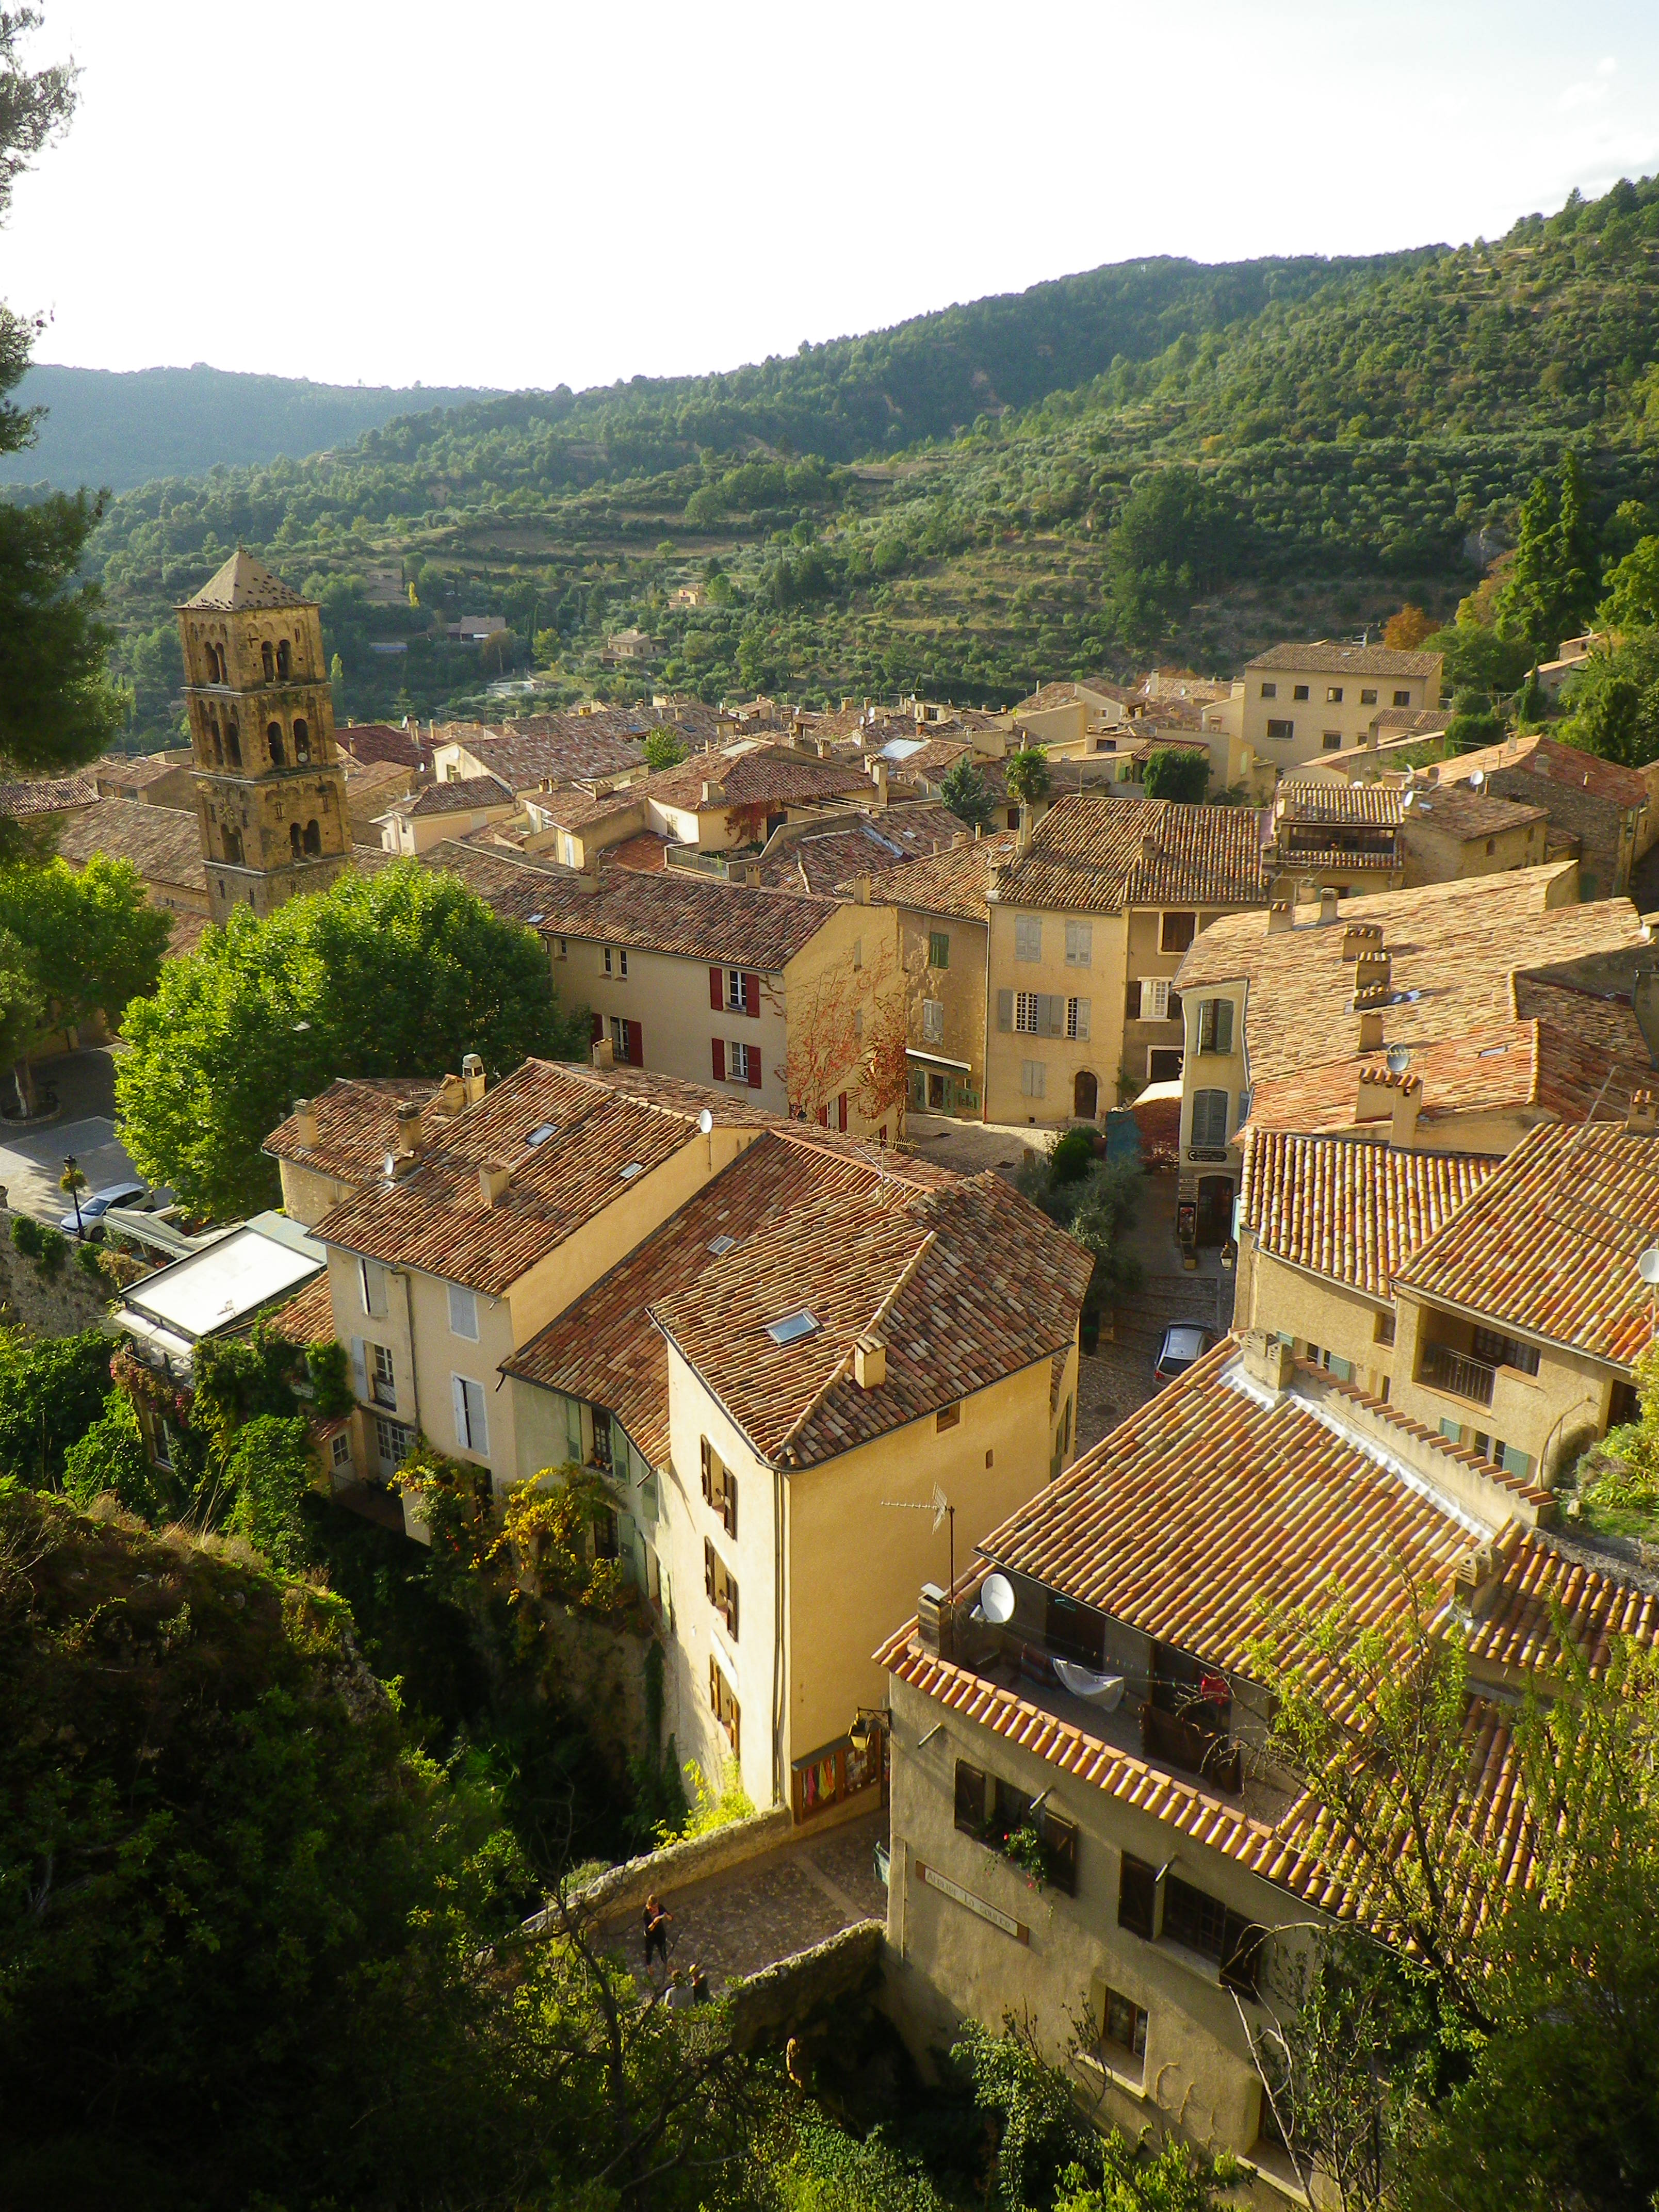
(655, 1923)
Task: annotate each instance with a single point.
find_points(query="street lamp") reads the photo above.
(72, 1178)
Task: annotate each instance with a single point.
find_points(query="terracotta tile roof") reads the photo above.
(436, 1218)
(951, 883)
(1549, 1244)
(1514, 1068)
(1554, 762)
(1604, 1020)
(1087, 853)
(1458, 811)
(244, 582)
(669, 911)
(379, 741)
(566, 747)
(830, 860)
(750, 775)
(1046, 697)
(355, 1125)
(1348, 1207)
(936, 757)
(366, 780)
(961, 1281)
(1318, 800)
(1409, 721)
(137, 773)
(46, 794)
(1454, 949)
(465, 793)
(1325, 657)
(162, 843)
(644, 851)
(1516, 1632)
(308, 1318)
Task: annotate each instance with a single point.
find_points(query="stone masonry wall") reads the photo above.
(48, 1307)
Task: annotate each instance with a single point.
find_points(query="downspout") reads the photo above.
(778, 1797)
(414, 1363)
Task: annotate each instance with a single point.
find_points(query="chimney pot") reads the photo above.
(305, 1123)
(1360, 936)
(1267, 1358)
(604, 1053)
(1371, 1029)
(452, 1094)
(869, 1363)
(1329, 905)
(1280, 917)
(494, 1177)
(472, 1078)
(1642, 1120)
(407, 1120)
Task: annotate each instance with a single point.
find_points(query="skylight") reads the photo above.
(722, 1242)
(791, 1328)
(540, 1133)
(634, 1168)
(532, 919)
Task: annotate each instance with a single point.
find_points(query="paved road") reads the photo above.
(31, 1161)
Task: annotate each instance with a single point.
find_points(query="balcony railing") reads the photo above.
(1457, 1374)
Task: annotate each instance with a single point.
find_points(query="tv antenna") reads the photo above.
(942, 1510)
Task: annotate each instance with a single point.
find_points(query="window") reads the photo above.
(1204, 1924)
(472, 1422)
(1079, 944)
(1332, 695)
(720, 1585)
(1076, 1020)
(301, 742)
(1331, 741)
(737, 1059)
(1209, 1119)
(857, 954)
(1384, 1330)
(990, 1811)
(602, 1453)
(1402, 698)
(164, 1441)
(1027, 1006)
(1492, 844)
(1154, 998)
(1176, 931)
(938, 948)
(1368, 698)
(720, 1487)
(1137, 1896)
(1298, 691)
(394, 1442)
(1123, 2024)
(616, 961)
(462, 1314)
(1215, 1026)
(793, 1327)
(1033, 1079)
(619, 1039)
(371, 1280)
(274, 741)
(1028, 937)
(383, 1383)
(1164, 1064)
(948, 1417)
(1270, 690)
(932, 1021)
(339, 1450)
(1281, 729)
(723, 1704)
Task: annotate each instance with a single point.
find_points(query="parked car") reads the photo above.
(1182, 1343)
(95, 1203)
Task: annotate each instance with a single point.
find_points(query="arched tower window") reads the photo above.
(294, 839)
(301, 739)
(274, 739)
(216, 741)
(313, 838)
(268, 660)
(284, 663)
(233, 743)
(233, 846)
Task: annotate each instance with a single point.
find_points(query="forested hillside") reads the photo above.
(1158, 459)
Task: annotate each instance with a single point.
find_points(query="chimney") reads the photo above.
(305, 1124)
(1479, 1577)
(1280, 917)
(992, 883)
(1407, 1105)
(1027, 826)
(862, 891)
(961, 837)
(452, 1095)
(406, 1142)
(604, 1053)
(1374, 1102)
(1360, 936)
(1642, 1118)
(712, 791)
(869, 1363)
(1373, 970)
(472, 1078)
(1328, 903)
(1371, 1029)
(1645, 996)
(493, 1177)
(1148, 848)
(878, 770)
(935, 1621)
(1266, 1360)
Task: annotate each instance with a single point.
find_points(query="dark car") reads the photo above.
(95, 1203)
(1182, 1343)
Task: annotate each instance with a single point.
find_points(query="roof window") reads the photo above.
(634, 1168)
(722, 1243)
(540, 1135)
(793, 1327)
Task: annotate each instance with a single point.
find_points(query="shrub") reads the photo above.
(54, 1251)
(26, 1236)
(329, 1371)
(89, 1260)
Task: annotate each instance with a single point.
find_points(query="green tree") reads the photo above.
(1551, 587)
(90, 942)
(57, 706)
(111, 1458)
(1612, 703)
(965, 792)
(1474, 722)
(398, 973)
(271, 1466)
(664, 748)
(1633, 590)
(52, 1389)
(1027, 776)
(1178, 772)
(23, 1009)
(1173, 538)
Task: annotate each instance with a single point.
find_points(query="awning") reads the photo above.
(937, 1059)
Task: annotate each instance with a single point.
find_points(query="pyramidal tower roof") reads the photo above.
(244, 582)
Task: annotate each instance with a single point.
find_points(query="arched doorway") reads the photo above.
(1086, 1095)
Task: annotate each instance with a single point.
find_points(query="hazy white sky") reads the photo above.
(526, 191)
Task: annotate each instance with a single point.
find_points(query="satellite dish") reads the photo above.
(1477, 777)
(1647, 1267)
(1399, 1060)
(1407, 802)
(706, 1123)
(996, 1596)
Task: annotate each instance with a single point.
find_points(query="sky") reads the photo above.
(517, 192)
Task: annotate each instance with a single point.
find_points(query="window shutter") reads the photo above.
(1224, 1024)
(704, 1454)
(359, 1368)
(752, 997)
(1133, 995)
(754, 1069)
(635, 1032)
(840, 1112)
(708, 1569)
(1209, 1117)
(1137, 1897)
(477, 1420)
(1053, 1014)
(970, 1798)
(719, 1059)
(458, 1390)
(598, 1031)
(713, 1686)
(1004, 1010)
(729, 1504)
(717, 988)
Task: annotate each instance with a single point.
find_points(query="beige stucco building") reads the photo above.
(1296, 702)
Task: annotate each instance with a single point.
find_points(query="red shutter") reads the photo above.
(635, 1033)
(823, 1117)
(754, 1069)
(751, 996)
(598, 1028)
(719, 1060)
(841, 1109)
(717, 988)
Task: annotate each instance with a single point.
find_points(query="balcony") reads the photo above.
(1458, 1375)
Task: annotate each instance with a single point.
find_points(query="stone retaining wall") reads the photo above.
(781, 1996)
(48, 1305)
(676, 1866)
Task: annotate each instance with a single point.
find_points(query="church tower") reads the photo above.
(271, 791)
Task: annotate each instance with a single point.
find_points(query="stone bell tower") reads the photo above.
(271, 791)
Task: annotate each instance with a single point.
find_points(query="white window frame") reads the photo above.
(462, 1313)
(1079, 944)
(471, 1422)
(616, 962)
(932, 1021)
(340, 1449)
(1028, 1013)
(372, 1280)
(1209, 1027)
(1028, 937)
(383, 1375)
(1077, 1020)
(619, 1036)
(1154, 997)
(398, 1434)
(737, 1063)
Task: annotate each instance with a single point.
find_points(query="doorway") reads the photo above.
(1215, 1209)
(1086, 1095)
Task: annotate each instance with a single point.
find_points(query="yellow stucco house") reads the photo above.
(1296, 702)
